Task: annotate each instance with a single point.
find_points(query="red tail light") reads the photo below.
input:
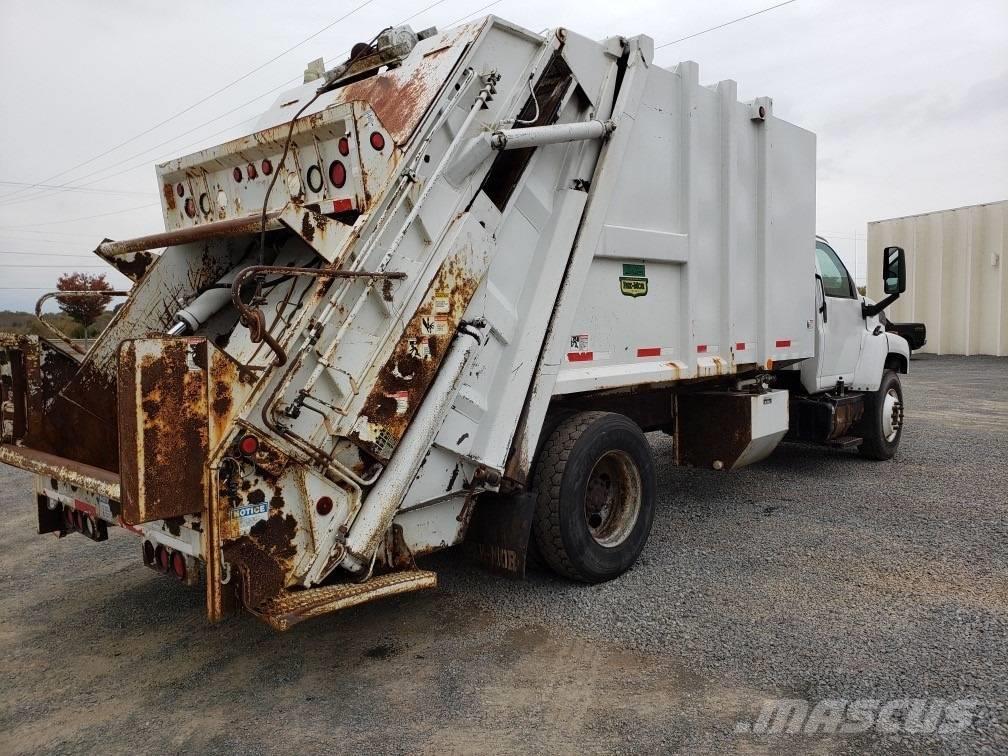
(249, 445)
(267, 167)
(377, 141)
(251, 171)
(337, 174)
(180, 190)
(237, 173)
(162, 558)
(190, 207)
(324, 506)
(344, 146)
(178, 565)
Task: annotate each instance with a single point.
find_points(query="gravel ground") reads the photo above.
(814, 575)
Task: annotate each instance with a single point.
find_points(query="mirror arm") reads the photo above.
(868, 310)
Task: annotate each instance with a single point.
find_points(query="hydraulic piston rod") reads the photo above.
(538, 136)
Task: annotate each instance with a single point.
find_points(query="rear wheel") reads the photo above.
(882, 422)
(595, 488)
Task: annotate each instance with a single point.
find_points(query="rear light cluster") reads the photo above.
(314, 176)
(76, 521)
(337, 168)
(170, 562)
(251, 172)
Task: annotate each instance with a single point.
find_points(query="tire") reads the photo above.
(882, 422)
(595, 496)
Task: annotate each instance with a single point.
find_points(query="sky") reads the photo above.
(909, 100)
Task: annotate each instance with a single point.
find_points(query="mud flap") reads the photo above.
(498, 534)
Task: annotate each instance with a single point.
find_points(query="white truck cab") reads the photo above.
(852, 346)
(850, 394)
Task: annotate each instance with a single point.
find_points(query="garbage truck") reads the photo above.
(438, 297)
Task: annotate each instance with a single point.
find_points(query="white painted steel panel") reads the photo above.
(704, 263)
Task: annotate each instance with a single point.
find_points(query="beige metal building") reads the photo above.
(957, 284)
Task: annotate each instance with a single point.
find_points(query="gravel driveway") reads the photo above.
(813, 575)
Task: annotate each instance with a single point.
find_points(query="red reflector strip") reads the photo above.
(781, 343)
(649, 352)
(740, 346)
(341, 206)
(580, 356)
(83, 506)
(701, 348)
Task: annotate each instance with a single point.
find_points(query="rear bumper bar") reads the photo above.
(93, 479)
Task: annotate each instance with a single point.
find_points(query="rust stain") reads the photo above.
(169, 195)
(398, 106)
(133, 266)
(223, 376)
(307, 229)
(263, 558)
(403, 380)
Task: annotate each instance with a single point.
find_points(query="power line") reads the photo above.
(148, 150)
(146, 163)
(77, 234)
(726, 23)
(85, 217)
(203, 138)
(76, 188)
(87, 255)
(62, 267)
(204, 99)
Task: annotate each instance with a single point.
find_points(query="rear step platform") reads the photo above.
(292, 607)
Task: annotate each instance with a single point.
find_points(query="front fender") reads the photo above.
(879, 352)
(899, 353)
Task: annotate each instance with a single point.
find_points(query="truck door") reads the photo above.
(840, 322)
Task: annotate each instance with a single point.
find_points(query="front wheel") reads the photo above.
(595, 490)
(882, 422)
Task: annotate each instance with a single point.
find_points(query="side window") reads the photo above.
(836, 280)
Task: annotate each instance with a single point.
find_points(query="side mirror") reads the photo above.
(893, 270)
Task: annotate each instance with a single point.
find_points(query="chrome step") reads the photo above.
(292, 607)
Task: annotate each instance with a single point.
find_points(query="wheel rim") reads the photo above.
(892, 415)
(612, 499)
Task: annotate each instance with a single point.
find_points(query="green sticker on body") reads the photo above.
(633, 282)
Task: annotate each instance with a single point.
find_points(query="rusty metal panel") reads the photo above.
(163, 424)
(403, 380)
(58, 406)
